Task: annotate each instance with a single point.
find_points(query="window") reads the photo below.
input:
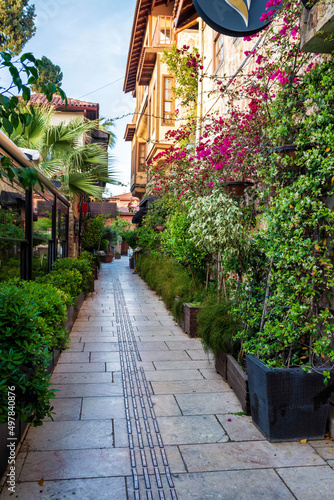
(153, 112)
(141, 156)
(219, 50)
(168, 102)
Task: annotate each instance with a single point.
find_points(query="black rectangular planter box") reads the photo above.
(190, 319)
(288, 404)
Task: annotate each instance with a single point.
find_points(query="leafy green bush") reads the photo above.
(217, 325)
(68, 281)
(51, 304)
(24, 356)
(8, 273)
(82, 265)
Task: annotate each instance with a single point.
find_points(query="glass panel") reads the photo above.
(12, 229)
(61, 229)
(168, 106)
(42, 231)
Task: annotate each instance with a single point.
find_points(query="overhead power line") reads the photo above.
(104, 86)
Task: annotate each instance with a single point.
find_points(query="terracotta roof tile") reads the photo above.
(57, 101)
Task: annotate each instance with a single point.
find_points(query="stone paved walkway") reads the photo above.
(141, 413)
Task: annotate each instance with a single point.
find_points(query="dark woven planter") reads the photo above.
(221, 365)
(237, 379)
(190, 319)
(287, 404)
(117, 256)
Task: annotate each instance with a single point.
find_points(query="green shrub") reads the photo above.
(51, 304)
(24, 356)
(93, 259)
(217, 325)
(8, 273)
(170, 280)
(83, 265)
(68, 281)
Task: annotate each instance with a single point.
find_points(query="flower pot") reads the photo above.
(237, 379)
(190, 319)
(132, 262)
(108, 258)
(237, 188)
(117, 256)
(287, 404)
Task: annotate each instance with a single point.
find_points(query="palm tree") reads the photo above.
(65, 156)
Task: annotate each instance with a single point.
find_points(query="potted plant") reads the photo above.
(117, 255)
(108, 258)
(288, 404)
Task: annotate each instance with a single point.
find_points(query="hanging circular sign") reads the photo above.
(234, 17)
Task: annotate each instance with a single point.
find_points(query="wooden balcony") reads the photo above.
(163, 32)
(163, 37)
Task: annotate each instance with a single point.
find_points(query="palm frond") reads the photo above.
(79, 184)
(51, 167)
(83, 157)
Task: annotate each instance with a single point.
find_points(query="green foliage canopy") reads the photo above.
(16, 24)
(49, 72)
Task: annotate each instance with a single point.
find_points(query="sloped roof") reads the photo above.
(142, 10)
(58, 102)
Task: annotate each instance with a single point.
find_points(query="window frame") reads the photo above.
(169, 121)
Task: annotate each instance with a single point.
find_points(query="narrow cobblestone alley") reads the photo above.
(142, 414)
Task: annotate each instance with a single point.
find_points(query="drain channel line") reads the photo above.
(130, 377)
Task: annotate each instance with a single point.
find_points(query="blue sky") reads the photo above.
(89, 41)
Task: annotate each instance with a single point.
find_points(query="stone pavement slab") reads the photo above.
(240, 428)
(75, 464)
(248, 455)
(70, 435)
(165, 405)
(82, 378)
(309, 483)
(232, 485)
(200, 386)
(167, 375)
(87, 390)
(66, 409)
(183, 365)
(194, 429)
(204, 404)
(103, 408)
(77, 367)
(108, 488)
